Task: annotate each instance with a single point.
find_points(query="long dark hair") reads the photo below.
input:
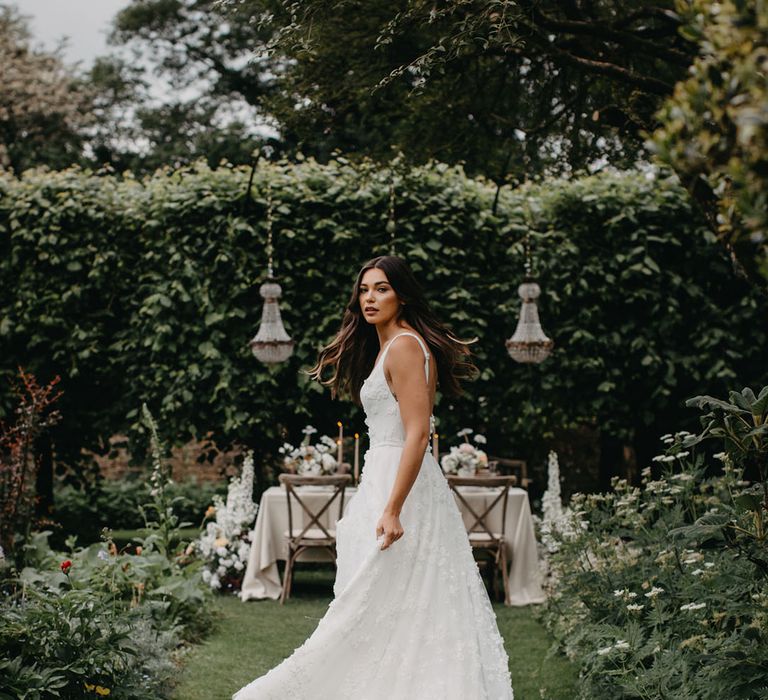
(354, 349)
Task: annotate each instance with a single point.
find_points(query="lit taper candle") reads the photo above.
(357, 457)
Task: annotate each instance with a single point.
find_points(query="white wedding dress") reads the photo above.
(412, 622)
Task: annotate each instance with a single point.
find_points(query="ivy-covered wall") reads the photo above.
(148, 291)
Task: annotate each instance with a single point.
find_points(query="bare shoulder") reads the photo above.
(405, 350)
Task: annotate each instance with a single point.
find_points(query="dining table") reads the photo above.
(269, 541)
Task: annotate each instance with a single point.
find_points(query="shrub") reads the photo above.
(19, 462)
(662, 590)
(100, 621)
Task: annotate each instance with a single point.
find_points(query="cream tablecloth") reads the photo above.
(262, 578)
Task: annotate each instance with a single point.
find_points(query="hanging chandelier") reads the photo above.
(529, 343)
(271, 344)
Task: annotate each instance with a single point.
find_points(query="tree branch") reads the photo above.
(603, 31)
(610, 70)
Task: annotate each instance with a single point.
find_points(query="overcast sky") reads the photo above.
(84, 22)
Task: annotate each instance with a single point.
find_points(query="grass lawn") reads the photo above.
(253, 637)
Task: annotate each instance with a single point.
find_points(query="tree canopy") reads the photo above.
(507, 88)
(43, 107)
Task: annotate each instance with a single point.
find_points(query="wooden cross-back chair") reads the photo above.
(314, 533)
(518, 467)
(481, 535)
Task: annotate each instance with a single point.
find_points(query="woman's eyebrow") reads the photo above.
(375, 284)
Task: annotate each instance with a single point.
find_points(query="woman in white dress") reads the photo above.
(410, 618)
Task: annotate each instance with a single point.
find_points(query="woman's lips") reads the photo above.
(371, 311)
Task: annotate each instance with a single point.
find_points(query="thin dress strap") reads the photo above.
(426, 369)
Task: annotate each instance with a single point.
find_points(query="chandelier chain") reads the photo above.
(270, 267)
(391, 224)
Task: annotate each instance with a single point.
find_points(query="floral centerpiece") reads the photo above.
(467, 458)
(225, 543)
(310, 460)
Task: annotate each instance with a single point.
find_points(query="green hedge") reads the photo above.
(148, 291)
(115, 504)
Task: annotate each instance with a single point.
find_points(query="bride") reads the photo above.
(410, 618)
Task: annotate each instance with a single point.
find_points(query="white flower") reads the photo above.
(654, 592)
(225, 543)
(465, 431)
(709, 564)
(693, 606)
(449, 462)
(619, 592)
(693, 558)
(103, 555)
(605, 650)
(697, 572)
(682, 477)
(721, 456)
(621, 645)
(635, 607)
(666, 437)
(480, 439)
(682, 454)
(309, 430)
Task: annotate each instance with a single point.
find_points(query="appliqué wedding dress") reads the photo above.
(412, 622)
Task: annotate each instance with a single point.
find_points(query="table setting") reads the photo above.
(269, 541)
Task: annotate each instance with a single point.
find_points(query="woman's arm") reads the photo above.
(405, 362)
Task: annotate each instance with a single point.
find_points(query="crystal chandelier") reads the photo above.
(529, 343)
(271, 344)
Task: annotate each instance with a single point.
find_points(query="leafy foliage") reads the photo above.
(101, 621)
(714, 129)
(115, 504)
(508, 87)
(662, 590)
(148, 292)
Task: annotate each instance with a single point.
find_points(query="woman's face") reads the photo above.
(378, 300)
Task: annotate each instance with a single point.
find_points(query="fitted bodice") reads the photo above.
(382, 411)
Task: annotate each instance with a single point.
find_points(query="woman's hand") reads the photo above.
(389, 526)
